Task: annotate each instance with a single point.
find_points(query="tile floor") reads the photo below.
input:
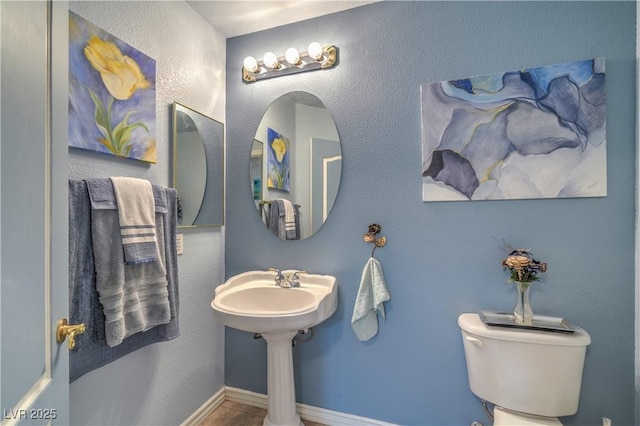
(231, 413)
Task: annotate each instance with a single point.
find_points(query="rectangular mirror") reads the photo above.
(198, 167)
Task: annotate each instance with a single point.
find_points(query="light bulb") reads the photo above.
(250, 64)
(292, 56)
(315, 51)
(271, 60)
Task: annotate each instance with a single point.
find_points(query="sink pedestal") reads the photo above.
(281, 392)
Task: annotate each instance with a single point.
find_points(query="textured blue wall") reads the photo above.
(164, 383)
(441, 259)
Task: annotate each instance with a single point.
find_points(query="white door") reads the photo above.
(326, 167)
(33, 221)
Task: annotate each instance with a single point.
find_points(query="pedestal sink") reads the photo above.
(252, 302)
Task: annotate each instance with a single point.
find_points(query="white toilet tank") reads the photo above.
(535, 372)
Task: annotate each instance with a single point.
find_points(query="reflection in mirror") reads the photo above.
(198, 167)
(255, 168)
(296, 164)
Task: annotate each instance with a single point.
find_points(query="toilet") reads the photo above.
(532, 377)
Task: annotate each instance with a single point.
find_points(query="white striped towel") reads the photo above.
(136, 211)
(289, 220)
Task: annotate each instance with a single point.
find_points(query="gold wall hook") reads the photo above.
(64, 330)
(372, 237)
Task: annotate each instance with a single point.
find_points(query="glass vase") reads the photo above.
(522, 312)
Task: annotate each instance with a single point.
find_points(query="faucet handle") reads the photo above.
(294, 278)
(280, 279)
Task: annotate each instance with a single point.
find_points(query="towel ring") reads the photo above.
(371, 237)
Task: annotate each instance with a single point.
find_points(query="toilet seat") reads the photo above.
(505, 417)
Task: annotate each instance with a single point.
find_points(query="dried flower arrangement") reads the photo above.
(523, 267)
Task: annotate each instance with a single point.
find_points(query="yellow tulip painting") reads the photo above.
(120, 74)
(112, 100)
(277, 161)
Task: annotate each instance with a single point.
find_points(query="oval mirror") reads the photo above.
(198, 161)
(296, 164)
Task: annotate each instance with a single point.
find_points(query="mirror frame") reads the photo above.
(213, 176)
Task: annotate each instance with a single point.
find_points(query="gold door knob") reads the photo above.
(64, 330)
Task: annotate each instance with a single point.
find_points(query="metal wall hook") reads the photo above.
(372, 237)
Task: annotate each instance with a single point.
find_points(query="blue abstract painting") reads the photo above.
(532, 133)
(112, 97)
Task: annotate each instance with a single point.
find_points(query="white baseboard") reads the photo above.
(246, 397)
(308, 412)
(205, 409)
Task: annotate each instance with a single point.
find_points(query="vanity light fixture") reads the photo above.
(316, 57)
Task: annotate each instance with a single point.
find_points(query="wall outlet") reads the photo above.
(180, 243)
(606, 421)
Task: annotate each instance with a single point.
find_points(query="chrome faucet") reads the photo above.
(294, 279)
(280, 279)
(286, 281)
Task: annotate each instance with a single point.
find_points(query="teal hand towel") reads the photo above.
(370, 301)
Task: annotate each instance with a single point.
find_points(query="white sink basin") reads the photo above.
(252, 302)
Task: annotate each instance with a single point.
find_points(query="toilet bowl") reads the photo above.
(531, 376)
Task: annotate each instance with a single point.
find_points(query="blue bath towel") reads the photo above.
(92, 350)
(134, 295)
(282, 231)
(370, 301)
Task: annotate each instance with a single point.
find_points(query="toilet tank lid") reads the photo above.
(471, 323)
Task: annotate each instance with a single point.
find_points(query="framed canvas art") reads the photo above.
(277, 161)
(112, 98)
(532, 133)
